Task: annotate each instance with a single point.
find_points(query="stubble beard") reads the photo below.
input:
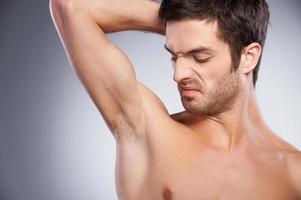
(219, 99)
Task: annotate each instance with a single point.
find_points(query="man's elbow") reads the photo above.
(62, 7)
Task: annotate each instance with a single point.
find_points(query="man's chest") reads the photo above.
(193, 176)
(214, 183)
(179, 169)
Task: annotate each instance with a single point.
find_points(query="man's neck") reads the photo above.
(231, 129)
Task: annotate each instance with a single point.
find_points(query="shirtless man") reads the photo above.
(220, 146)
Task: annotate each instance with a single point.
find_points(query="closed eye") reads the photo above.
(202, 60)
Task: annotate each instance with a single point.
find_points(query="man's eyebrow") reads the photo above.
(169, 50)
(194, 50)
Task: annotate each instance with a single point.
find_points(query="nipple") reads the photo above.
(166, 194)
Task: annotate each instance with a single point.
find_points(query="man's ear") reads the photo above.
(250, 57)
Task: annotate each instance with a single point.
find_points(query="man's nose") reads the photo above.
(182, 70)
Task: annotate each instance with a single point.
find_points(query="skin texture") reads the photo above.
(218, 148)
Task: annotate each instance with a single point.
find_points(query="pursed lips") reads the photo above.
(188, 91)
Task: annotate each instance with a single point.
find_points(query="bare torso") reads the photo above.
(174, 163)
(161, 157)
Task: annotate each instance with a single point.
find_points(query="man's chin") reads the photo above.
(192, 106)
(200, 109)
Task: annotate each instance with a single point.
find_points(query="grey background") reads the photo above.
(54, 144)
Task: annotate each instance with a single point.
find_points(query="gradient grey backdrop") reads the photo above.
(54, 144)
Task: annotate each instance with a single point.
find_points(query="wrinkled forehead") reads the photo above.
(188, 33)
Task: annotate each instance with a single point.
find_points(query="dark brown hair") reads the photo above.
(240, 22)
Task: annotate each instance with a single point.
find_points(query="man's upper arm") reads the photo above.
(105, 71)
(294, 163)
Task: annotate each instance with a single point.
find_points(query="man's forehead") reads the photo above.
(192, 24)
(190, 34)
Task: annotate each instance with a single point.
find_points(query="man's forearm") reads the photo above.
(118, 15)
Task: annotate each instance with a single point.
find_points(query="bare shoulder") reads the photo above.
(294, 167)
(291, 158)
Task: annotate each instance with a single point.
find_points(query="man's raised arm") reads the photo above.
(103, 68)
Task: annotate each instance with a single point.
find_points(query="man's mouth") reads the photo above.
(189, 91)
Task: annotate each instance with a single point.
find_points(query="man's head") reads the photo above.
(214, 43)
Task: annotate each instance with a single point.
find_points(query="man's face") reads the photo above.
(202, 66)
